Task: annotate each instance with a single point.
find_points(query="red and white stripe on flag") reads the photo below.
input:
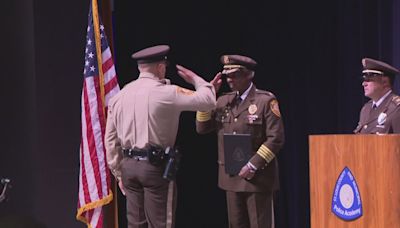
(94, 176)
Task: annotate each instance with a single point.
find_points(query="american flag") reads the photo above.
(94, 176)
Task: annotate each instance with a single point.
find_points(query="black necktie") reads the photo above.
(238, 100)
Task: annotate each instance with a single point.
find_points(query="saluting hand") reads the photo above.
(186, 74)
(217, 81)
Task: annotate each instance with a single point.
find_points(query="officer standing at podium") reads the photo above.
(146, 112)
(246, 110)
(380, 115)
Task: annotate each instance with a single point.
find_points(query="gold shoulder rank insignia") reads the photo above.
(226, 59)
(275, 108)
(184, 91)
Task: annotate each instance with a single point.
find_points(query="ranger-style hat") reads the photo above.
(233, 63)
(374, 68)
(152, 54)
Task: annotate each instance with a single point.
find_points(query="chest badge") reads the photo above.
(252, 109)
(382, 118)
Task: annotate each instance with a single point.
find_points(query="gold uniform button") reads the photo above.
(365, 126)
(235, 120)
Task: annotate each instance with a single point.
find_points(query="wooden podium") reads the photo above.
(374, 161)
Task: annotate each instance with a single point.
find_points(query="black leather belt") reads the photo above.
(135, 153)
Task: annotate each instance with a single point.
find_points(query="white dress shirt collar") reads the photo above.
(244, 95)
(379, 102)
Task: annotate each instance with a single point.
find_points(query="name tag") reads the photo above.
(251, 118)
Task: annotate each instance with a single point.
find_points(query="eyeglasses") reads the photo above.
(370, 74)
(370, 77)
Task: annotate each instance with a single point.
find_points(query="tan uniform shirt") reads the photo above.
(385, 119)
(148, 110)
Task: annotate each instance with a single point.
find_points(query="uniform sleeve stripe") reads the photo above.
(203, 116)
(261, 154)
(265, 153)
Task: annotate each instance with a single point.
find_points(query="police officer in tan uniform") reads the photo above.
(146, 112)
(380, 115)
(246, 110)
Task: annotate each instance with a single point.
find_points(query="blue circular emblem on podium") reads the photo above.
(346, 200)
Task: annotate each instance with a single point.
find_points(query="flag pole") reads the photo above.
(98, 48)
(110, 210)
(91, 206)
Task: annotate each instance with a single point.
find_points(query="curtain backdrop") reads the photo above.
(309, 55)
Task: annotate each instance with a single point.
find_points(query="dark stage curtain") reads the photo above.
(309, 55)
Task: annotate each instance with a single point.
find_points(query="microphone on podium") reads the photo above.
(5, 182)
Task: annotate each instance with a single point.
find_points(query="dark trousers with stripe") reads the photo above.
(150, 199)
(250, 209)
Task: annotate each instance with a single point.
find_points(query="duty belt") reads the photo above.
(135, 153)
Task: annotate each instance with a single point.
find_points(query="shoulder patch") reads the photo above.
(184, 91)
(396, 100)
(275, 107)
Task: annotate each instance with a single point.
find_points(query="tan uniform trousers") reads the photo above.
(250, 209)
(149, 201)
